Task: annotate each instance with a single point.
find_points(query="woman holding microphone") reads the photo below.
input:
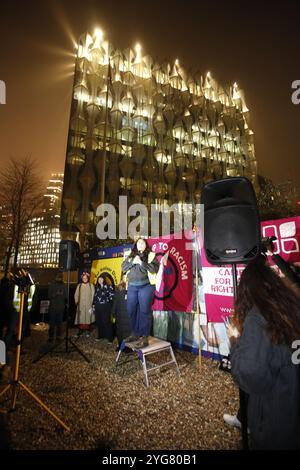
(140, 268)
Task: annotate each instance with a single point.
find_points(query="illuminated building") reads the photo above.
(40, 244)
(149, 131)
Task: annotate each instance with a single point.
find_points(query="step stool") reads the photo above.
(155, 345)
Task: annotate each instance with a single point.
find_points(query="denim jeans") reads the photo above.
(139, 301)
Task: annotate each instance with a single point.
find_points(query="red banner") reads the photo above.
(174, 286)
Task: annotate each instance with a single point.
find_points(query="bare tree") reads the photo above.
(21, 194)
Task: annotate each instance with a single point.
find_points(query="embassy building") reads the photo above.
(148, 131)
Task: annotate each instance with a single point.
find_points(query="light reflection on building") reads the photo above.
(40, 244)
(163, 131)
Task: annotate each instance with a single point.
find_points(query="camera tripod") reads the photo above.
(16, 382)
(66, 339)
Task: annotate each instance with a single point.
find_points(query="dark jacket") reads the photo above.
(138, 274)
(266, 372)
(58, 296)
(103, 295)
(119, 309)
(6, 301)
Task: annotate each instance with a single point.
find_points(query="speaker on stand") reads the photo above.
(69, 260)
(69, 255)
(231, 221)
(231, 236)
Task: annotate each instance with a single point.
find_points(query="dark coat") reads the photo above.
(119, 309)
(103, 295)
(266, 372)
(6, 301)
(57, 294)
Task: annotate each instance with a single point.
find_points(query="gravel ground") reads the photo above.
(109, 408)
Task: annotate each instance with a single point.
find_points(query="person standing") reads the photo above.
(140, 267)
(119, 309)
(266, 323)
(102, 303)
(84, 295)
(291, 278)
(30, 302)
(58, 295)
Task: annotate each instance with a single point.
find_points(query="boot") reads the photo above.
(142, 342)
(131, 338)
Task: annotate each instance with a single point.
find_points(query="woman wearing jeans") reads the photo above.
(140, 267)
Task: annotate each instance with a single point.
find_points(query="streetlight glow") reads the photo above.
(138, 52)
(98, 33)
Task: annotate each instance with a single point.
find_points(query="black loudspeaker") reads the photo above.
(231, 221)
(69, 255)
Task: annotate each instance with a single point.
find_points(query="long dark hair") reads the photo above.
(135, 251)
(104, 280)
(260, 286)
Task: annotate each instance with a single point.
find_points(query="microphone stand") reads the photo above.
(66, 339)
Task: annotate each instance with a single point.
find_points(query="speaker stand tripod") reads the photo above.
(68, 341)
(17, 382)
(242, 394)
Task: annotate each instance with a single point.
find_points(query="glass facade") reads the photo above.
(40, 244)
(149, 131)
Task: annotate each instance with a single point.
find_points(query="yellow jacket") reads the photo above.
(151, 276)
(16, 300)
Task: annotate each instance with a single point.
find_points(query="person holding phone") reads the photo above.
(266, 323)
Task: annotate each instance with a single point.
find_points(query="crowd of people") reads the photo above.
(123, 312)
(130, 305)
(265, 324)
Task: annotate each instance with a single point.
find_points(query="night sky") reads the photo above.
(255, 44)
